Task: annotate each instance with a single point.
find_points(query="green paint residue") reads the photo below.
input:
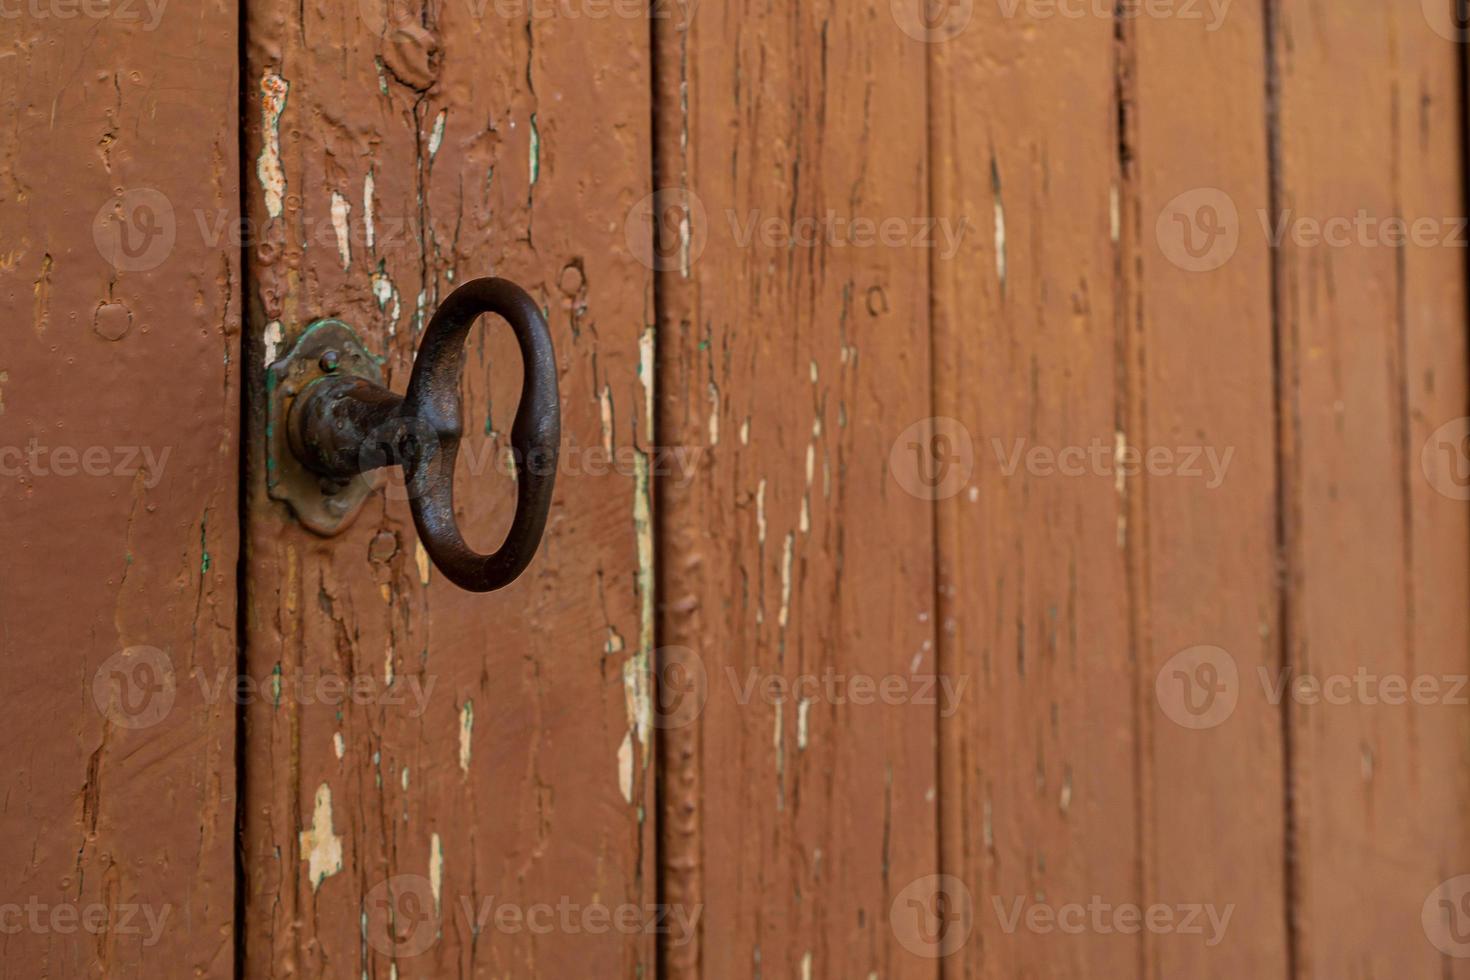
(276, 685)
(204, 546)
(535, 151)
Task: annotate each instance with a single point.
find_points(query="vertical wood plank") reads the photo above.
(791, 358)
(1204, 396)
(488, 811)
(1370, 130)
(119, 409)
(1039, 772)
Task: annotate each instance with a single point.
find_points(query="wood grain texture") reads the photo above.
(1040, 781)
(461, 833)
(791, 358)
(119, 413)
(1071, 582)
(1370, 129)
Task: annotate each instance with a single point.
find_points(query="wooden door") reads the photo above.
(1011, 517)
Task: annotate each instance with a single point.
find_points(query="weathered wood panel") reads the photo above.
(1040, 793)
(1121, 393)
(401, 148)
(1373, 340)
(119, 408)
(1205, 512)
(792, 355)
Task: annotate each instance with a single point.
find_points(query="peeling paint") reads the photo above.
(605, 403)
(268, 169)
(421, 559)
(745, 432)
(466, 729)
(625, 767)
(436, 869)
(273, 337)
(436, 138)
(535, 151)
(386, 293)
(341, 211)
(760, 511)
(714, 414)
(369, 232)
(803, 708)
(339, 746)
(320, 847)
(786, 554)
(1000, 226)
(645, 374)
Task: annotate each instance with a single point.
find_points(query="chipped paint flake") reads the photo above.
(806, 966)
(466, 729)
(341, 212)
(436, 138)
(1115, 220)
(535, 151)
(625, 767)
(803, 708)
(387, 294)
(421, 559)
(320, 847)
(745, 432)
(436, 869)
(369, 233)
(714, 414)
(605, 402)
(273, 337)
(645, 375)
(786, 553)
(268, 169)
(760, 511)
(339, 745)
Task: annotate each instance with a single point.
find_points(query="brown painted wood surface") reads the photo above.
(791, 358)
(793, 457)
(380, 838)
(1374, 341)
(120, 384)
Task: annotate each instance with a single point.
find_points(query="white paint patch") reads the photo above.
(645, 374)
(421, 559)
(466, 729)
(273, 337)
(745, 432)
(1000, 240)
(1120, 449)
(436, 868)
(803, 708)
(436, 138)
(268, 169)
(606, 405)
(760, 511)
(625, 767)
(341, 211)
(367, 209)
(1115, 220)
(388, 664)
(386, 293)
(403, 779)
(786, 554)
(339, 745)
(806, 966)
(714, 414)
(321, 848)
